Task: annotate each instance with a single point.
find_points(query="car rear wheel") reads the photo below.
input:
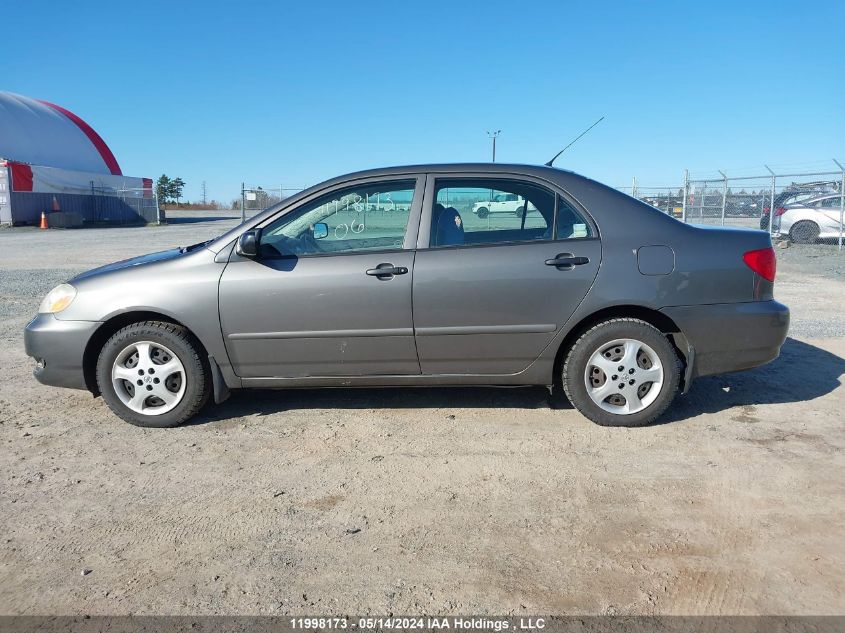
(622, 372)
(151, 374)
(804, 232)
(482, 212)
(519, 212)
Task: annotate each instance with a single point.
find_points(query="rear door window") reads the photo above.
(490, 211)
(570, 223)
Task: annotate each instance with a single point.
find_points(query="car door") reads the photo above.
(830, 207)
(330, 293)
(491, 295)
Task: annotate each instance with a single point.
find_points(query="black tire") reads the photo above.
(184, 345)
(764, 222)
(520, 211)
(482, 212)
(804, 232)
(575, 366)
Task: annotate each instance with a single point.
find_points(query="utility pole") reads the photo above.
(204, 201)
(494, 135)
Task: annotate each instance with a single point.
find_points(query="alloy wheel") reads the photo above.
(624, 376)
(148, 378)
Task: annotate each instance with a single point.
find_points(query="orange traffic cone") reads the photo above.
(56, 204)
(44, 224)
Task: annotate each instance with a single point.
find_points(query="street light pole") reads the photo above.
(493, 135)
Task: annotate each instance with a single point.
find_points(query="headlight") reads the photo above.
(57, 299)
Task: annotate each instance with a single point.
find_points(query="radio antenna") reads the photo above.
(551, 162)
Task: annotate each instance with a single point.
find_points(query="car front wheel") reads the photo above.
(151, 374)
(622, 372)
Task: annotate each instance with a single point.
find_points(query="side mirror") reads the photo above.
(248, 242)
(320, 230)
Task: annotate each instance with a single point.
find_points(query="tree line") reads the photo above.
(169, 189)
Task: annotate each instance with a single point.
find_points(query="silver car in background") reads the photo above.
(811, 220)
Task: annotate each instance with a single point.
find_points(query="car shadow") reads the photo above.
(270, 401)
(802, 372)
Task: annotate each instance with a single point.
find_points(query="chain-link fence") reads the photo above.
(255, 198)
(669, 199)
(125, 206)
(808, 207)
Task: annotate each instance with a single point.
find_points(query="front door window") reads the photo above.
(371, 217)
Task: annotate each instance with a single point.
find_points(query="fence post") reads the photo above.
(841, 204)
(841, 200)
(701, 205)
(686, 194)
(634, 187)
(724, 195)
(158, 208)
(772, 200)
(243, 202)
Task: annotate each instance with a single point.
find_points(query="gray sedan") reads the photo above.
(617, 302)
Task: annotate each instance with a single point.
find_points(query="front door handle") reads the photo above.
(387, 270)
(567, 261)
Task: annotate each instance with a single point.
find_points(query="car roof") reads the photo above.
(820, 196)
(542, 171)
(554, 175)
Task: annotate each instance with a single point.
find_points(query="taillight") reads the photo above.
(762, 262)
(780, 210)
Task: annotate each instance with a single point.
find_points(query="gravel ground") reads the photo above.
(423, 500)
(824, 260)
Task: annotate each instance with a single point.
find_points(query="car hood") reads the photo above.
(141, 260)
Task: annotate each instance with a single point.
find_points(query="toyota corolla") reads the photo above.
(622, 305)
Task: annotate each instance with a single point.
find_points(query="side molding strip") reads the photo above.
(487, 329)
(322, 334)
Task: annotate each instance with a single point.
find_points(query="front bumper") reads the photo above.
(59, 347)
(728, 337)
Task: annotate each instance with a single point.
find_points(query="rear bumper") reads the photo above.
(59, 347)
(728, 337)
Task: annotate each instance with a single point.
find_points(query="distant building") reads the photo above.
(48, 152)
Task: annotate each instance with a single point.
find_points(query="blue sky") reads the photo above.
(293, 93)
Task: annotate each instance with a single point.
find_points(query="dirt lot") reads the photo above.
(437, 500)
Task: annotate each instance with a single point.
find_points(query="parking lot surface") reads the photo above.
(422, 500)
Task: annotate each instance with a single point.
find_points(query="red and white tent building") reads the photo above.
(47, 151)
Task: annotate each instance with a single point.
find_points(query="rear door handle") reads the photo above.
(387, 270)
(567, 261)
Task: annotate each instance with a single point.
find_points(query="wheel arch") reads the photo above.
(649, 315)
(109, 327)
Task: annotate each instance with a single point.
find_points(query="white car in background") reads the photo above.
(811, 220)
(501, 203)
